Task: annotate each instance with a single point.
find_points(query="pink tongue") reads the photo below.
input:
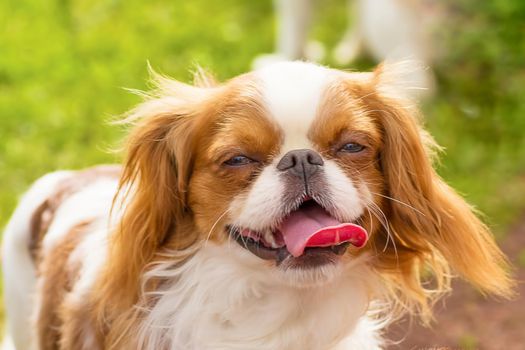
(312, 226)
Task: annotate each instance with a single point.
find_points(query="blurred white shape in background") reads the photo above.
(393, 30)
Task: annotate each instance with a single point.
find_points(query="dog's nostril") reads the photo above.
(289, 161)
(293, 161)
(314, 158)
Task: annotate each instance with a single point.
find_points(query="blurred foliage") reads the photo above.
(63, 64)
(478, 114)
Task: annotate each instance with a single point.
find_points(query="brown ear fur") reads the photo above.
(153, 188)
(433, 227)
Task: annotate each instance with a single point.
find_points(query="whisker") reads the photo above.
(400, 202)
(371, 226)
(382, 222)
(213, 226)
(371, 220)
(358, 171)
(386, 225)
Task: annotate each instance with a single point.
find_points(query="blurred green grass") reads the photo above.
(63, 64)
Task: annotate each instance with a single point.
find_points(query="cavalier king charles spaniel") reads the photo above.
(293, 207)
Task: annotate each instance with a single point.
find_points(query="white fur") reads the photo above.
(19, 270)
(347, 201)
(20, 282)
(366, 335)
(292, 92)
(259, 208)
(229, 299)
(92, 202)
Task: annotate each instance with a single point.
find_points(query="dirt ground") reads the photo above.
(466, 320)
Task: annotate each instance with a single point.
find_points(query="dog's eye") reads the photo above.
(238, 161)
(352, 147)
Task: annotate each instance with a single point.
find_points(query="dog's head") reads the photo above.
(302, 169)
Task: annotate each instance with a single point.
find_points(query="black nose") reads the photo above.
(302, 163)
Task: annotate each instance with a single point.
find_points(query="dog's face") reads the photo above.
(306, 168)
(289, 169)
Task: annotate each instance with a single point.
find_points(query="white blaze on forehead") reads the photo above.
(292, 92)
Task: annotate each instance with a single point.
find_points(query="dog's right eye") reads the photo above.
(352, 147)
(238, 161)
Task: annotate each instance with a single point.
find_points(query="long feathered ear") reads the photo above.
(433, 227)
(152, 193)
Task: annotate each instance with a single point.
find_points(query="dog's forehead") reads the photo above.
(292, 93)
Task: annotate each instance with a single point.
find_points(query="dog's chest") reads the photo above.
(216, 304)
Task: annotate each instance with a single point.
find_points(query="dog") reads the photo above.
(292, 207)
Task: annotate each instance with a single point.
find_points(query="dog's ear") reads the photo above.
(432, 226)
(153, 186)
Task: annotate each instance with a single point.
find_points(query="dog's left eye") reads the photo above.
(352, 147)
(238, 161)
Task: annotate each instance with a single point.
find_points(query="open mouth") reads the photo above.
(306, 231)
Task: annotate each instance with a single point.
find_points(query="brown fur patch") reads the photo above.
(57, 279)
(78, 331)
(45, 213)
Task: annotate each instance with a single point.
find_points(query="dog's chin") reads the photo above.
(311, 269)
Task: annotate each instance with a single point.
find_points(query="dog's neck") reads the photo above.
(221, 298)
